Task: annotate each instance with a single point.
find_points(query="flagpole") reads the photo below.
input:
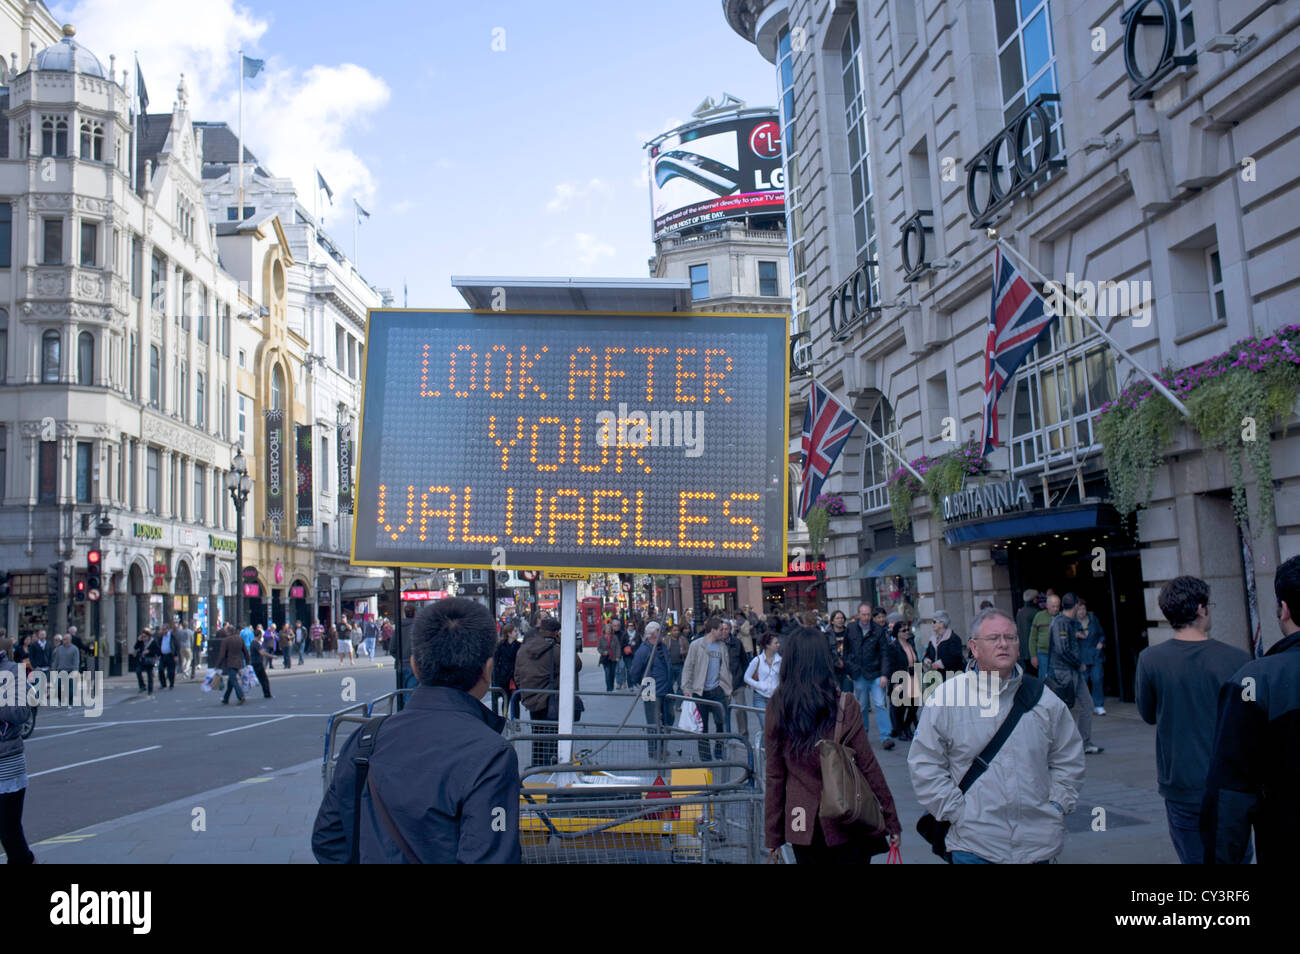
(240, 200)
(872, 434)
(1082, 313)
(135, 99)
(356, 227)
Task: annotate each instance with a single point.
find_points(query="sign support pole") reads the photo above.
(568, 654)
(397, 643)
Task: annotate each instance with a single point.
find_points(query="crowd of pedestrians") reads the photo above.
(995, 765)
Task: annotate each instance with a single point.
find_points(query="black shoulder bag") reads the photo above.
(1027, 696)
(368, 736)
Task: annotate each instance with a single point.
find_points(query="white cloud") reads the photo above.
(294, 119)
(566, 193)
(305, 121)
(199, 40)
(591, 249)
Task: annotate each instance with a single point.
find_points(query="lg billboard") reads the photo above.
(713, 170)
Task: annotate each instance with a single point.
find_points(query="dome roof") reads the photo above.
(69, 56)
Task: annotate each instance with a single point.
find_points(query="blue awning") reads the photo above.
(889, 563)
(1033, 523)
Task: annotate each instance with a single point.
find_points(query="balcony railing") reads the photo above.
(732, 233)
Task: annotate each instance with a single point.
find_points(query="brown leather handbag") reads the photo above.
(847, 798)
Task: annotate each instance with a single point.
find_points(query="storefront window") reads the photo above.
(1058, 391)
(895, 594)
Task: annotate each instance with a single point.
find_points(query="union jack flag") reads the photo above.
(827, 425)
(1017, 319)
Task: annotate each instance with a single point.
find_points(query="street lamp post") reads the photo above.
(240, 485)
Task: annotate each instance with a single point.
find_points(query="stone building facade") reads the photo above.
(1163, 164)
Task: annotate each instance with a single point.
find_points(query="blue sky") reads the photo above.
(522, 161)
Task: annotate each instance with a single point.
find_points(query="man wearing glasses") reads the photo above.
(1013, 813)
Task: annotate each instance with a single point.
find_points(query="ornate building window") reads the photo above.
(54, 136)
(50, 345)
(92, 140)
(86, 359)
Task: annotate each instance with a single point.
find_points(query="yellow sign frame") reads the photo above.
(587, 571)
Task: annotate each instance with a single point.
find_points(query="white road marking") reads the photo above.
(104, 758)
(248, 715)
(252, 725)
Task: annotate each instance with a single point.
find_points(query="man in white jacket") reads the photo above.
(1015, 811)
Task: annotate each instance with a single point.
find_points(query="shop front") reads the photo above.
(357, 596)
(1077, 545)
(889, 579)
(802, 588)
(719, 593)
(29, 596)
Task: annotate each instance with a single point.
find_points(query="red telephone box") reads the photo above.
(589, 615)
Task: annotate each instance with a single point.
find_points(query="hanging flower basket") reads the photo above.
(941, 475)
(1234, 399)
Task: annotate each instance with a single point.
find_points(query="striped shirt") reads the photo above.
(13, 774)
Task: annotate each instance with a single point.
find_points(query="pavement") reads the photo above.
(266, 815)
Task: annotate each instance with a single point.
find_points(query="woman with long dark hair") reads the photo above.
(801, 713)
(904, 684)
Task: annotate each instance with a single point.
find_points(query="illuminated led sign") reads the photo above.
(581, 441)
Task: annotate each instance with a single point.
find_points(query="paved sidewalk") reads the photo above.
(311, 666)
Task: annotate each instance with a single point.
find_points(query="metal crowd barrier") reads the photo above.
(629, 794)
(612, 805)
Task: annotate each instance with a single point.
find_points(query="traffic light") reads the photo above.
(54, 581)
(4, 586)
(79, 589)
(93, 562)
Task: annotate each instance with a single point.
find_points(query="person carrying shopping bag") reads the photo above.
(764, 673)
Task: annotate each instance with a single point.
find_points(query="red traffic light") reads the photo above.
(93, 557)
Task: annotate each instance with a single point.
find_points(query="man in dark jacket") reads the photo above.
(231, 659)
(1253, 782)
(652, 659)
(865, 642)
(1067, 667)
(737, 662)
(442, 785)
(537, 666)
(1025, 625)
